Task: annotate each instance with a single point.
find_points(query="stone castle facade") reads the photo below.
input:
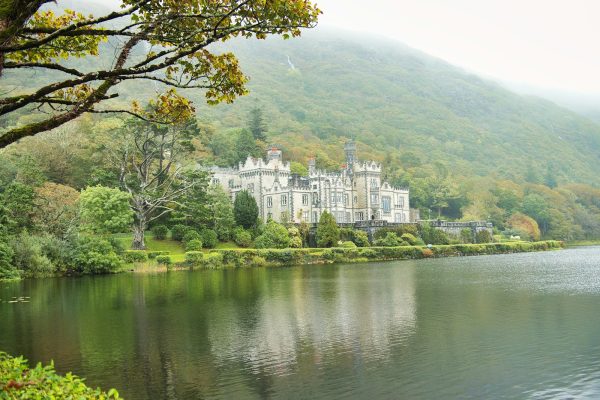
(353, 194)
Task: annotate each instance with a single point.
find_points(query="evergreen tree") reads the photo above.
(246, 146)
(245, 210)
(328, 232)
(257, 125)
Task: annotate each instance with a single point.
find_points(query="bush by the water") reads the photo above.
(164, 260)
(274, 257)
(274, 236)
(390, 240)
(95, 255)
(193, 245)
(483, 237)
(154, 254)
(209, 238)
(19, 381)
(131, 256)
(242, 237)
(160, 232)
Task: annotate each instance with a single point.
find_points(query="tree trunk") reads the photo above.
(139, 228)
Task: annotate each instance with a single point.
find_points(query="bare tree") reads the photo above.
(150, 158)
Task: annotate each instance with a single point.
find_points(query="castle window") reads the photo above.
(305, 216)
(360, 216)
(315, 198)
(400, 201)
(284, 199)
(269, 201)
(386, 204)
(398, 217)
(355, 199)
(374, 198)
(346, 200)
(305, 199)
(315, 217)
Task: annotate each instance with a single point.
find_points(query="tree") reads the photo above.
(524, 225)
(257, 125)
(222, 218)
(328, 232)
(245, 210)
(246, 146)
(104, 210)
(152, 170)
(274, 236)
(55, 209)
(17, 200)
(176, 36)
(297, 168)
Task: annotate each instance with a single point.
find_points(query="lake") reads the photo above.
(507, 326)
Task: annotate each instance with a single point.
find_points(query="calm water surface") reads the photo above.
(509, 326)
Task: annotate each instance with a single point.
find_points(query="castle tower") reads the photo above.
(312, 166)
(274, 154)
(350, 150)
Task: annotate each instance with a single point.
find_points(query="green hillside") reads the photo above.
(395, 99)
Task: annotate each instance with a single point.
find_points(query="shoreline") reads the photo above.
(249, 258)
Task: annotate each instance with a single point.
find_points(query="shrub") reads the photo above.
(191, 234)
(194, 257)
(29, 257)
(274, 236)
(348, 245)
(19, 381)
(427, 253)
(164, 260)
(390, 240)
(209, 238)
(296, 242)
(95, 255)
(160, 232)
(258, 261)
(483, 236)
(361, 239)
(7, 270)
(412, 239)
(438, 236)
(328, 232)
(242, 237)
(154, 254)
(213, 260)
(466, 235)
(193, 245)
(131, 256)
(177, 232)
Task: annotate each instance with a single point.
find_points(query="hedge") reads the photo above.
(18, 381)
(276, 257)
(164, 260)
(131, 256)
(154, 254)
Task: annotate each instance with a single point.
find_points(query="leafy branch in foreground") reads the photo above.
(173, 35)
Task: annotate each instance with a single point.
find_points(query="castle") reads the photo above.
(355, 193)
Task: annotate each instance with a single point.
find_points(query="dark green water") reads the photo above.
(509, 326)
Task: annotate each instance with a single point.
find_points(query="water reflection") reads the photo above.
(506, 326)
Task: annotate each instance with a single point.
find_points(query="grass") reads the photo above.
(175, 248)
(575, 243)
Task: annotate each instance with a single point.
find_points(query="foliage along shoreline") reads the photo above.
(240, 258)
(19, 381)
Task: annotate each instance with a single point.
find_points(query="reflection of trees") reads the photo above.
(190, 335)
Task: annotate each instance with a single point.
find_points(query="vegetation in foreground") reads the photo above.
(19, 381)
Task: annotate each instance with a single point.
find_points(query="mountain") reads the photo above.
(329, 85)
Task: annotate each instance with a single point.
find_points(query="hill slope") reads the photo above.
(395, 99)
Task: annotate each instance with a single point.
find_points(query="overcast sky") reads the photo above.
(546, 43)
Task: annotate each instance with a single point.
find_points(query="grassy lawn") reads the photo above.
(176, 249)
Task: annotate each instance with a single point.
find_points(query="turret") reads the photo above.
(350, 150)
(312, 166)
(274, 154)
